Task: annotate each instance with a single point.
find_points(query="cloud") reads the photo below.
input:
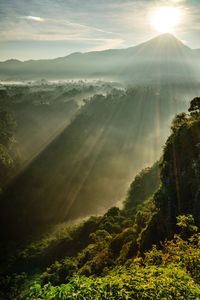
(33, 18)
(90, 25)
(47, 28)
(78, 25)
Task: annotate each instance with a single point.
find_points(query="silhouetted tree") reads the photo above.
(178, 121)
(194, 108)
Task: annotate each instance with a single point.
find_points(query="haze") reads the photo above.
(49, 29)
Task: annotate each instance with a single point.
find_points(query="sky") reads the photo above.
(43, 29)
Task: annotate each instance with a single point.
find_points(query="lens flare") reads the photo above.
(165, 19)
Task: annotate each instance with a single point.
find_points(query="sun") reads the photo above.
(165, 19)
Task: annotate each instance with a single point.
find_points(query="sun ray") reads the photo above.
(166, 19)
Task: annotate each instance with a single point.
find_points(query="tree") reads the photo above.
(194, 108)
(186, 225)
(178, 121)
(6, 165)
(7, 127)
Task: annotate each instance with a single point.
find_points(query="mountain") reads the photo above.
(163, 58)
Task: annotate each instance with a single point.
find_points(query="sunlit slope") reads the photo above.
(89, 166)
(163, 58)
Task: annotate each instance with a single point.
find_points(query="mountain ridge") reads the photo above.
(165, 35)
(163, 58)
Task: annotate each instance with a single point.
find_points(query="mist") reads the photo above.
(78, 154)
(80, 142)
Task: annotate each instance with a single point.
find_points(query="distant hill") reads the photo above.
(164, 58)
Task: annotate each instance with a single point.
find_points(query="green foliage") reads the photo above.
(144, 186)
(171, 272)
(194, 108)
(179, 191)
(127, 235)
(179, 121)
(186, 225)
(104, 257)
(185, 253)
(6, 161)
(59, 272)
(135, 282)
(7, 127)
(7, 165)
(12, 285)
(7, 157)
(100, 235)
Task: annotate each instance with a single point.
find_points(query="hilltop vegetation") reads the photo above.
(113, 257)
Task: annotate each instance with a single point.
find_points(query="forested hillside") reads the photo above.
(8, 157)
(42, 109)
(110, 139)
(105, 257)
